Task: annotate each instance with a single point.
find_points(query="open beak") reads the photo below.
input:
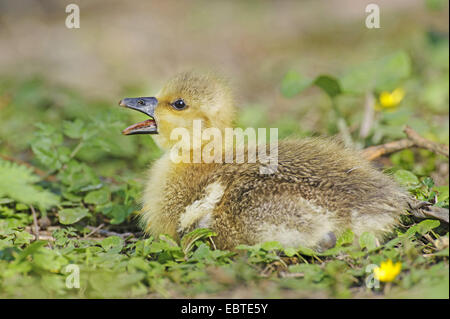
(145, 105)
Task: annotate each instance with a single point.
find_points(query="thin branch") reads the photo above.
(35, 223)
(373, 152)
(77, 149)
(94, 230)
(413, 140)
(421, 142)
(110, 233)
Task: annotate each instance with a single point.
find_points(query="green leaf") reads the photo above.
(31, 249)
(69, 216)
(391, 70)
(48, 148)
(271, 245)
(169, 241)
(74, 129)
(23, 238)
(117, 213)
(385, 73)
(311, 272)
(188, 240)
(71, 196)
(306, 251)
(17, 182)
(49, 259)
(293, 83)
(443, 193)
(346, 238)
(290, 252)
(406, 178)
(428, 182)
(167, 249)
(79, 177)
(98, 197)
(329, 84)
(367, 240)
(423, 227)
(203, 253)
(112, 243)
(427, 225)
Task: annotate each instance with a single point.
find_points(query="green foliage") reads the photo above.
(19, 183)
(130, 267)
(187, 243)
(406, 178)
(69, 216)
(329, 84)
(384, 74)
(293, 83)
(350, 89)
(367, 240)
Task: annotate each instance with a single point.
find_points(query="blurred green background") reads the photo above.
(307, 67)
(51, 74)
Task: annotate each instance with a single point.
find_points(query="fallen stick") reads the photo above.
(424, 210)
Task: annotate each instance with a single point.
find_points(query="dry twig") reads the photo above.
(94, 230)
(427, 210)
(35, 223)
(421, 142)
(374, 152)
(109, 233)
(413, 140)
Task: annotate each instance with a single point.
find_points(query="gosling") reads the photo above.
(319, 188)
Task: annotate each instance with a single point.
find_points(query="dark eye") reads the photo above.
(179, 104)
(141, 102)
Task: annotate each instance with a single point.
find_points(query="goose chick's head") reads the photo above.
(185, 98)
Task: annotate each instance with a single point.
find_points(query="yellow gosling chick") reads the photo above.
(318, 190)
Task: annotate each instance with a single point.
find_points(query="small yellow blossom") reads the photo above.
(387, 271)
(389, 100)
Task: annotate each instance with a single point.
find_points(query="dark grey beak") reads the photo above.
(145, 105)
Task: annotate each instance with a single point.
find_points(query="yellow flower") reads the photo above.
(390, 99)
(387, 271)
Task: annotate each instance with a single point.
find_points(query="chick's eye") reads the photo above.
(179, 104)
(141, 102)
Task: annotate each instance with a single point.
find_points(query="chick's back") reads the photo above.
(319, 188)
